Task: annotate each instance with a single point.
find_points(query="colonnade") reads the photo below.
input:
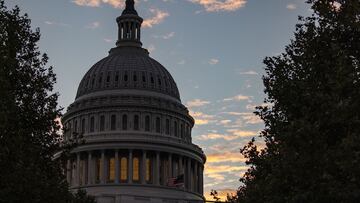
(132, 166)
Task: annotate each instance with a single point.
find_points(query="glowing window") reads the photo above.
(148, 170)
(123, 169)
(136, 169)
(111, 169)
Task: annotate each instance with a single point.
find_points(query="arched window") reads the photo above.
(113, 122)
(148, 170)
(136, 122)
(102, 123)
(111, 172)
(167, 127)
(147, 123)
(124, 122)
(92, 124)
(136, 169)
(175, 129)
(158, 125)
(123, 169)
(125, 77)
(83, 125)
(134, 77)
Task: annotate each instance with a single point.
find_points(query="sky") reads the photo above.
(213, 48)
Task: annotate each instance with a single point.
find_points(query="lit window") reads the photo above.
(148, 170)
(136, 169)
(123, 169)
(111, 169)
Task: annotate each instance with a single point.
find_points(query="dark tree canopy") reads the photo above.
(312, 131)
(28, 111)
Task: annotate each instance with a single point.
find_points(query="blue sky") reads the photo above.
(213, 49)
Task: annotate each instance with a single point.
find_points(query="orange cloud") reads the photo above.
(220, 5)
(158, 17)
(97, 3)
(197, 103)
(225, 157)
(202, 118)
(234, 134)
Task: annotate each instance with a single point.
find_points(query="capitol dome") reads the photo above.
(128, 68)
(137, 134)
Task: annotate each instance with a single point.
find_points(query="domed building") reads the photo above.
(137, 133)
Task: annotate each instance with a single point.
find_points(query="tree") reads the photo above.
(29, 132)
(312, 121)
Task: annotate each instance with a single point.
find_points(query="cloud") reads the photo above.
(158, 17)
(182, 62)
(151, 48)
(107, 40)
(221, 157)
(213, 61)
(211, 170)
(202, 118)
(251, 72)
(168, 36)
(239, 98)
(93, 25)
(291, 6)
(56, 23)
(97, 3)
(197, 103)
(220, 5)
(232, 134)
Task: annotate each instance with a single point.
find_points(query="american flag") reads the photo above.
(177, 181)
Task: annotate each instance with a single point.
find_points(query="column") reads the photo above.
(89, 170)
(201, 181)
(196, 177)
(143, 168)
(117, 166)
(181, 169)
(130, 166)
(83, 178)
(170, 166)
(102, 167)
(157, 169)
(77, 181)
(68, 171)
(188, 173)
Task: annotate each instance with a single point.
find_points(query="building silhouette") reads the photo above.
(137, 133)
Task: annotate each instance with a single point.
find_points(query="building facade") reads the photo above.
(137, 133)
